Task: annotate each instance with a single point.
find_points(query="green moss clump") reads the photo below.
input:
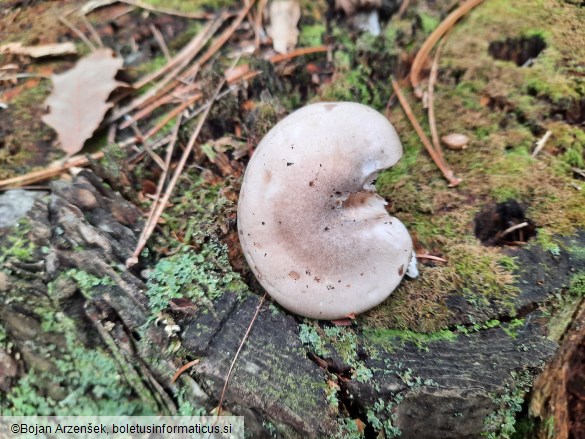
(428, 22)
(577, 285)
(390, 339)
(17, 245)
(311, 35)
(199, 276)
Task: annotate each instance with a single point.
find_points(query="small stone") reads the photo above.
(455, 141)
(15, 204)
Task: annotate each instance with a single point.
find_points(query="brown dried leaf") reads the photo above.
(78, 102)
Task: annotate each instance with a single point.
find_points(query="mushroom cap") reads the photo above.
(312, 229)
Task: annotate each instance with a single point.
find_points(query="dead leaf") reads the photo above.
(41, 51)
(78, 102)
(284, 16)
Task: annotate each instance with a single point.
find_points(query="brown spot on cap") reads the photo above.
(294, 275)
(267, 176)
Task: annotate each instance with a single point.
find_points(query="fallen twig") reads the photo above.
(218, 43)
(179, 62)
(160, 206)
(428, 45)
(447, 173)
(431, 257)
(185, 55)
(540, 144)
(163, 100)
(297, 52)
(161, 42)
(512, 229)
(431, 108)
(77, 32)
(173, 113)
(142, 239)
(147, 7)
(402, 10)
(258, 23)
(92, 31)
(183, 368)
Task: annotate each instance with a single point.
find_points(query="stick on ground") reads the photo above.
(428, 45)
(447, 173)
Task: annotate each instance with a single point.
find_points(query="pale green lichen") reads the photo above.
(501, 423)
(198, 276)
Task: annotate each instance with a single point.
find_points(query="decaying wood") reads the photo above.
(555, 387)
(84, 225)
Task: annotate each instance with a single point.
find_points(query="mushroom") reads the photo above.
(311, 226)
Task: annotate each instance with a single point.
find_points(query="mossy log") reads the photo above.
(74, 320)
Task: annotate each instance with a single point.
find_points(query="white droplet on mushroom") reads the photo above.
(322, 215)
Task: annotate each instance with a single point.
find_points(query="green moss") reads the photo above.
(17, 244)
(400, 171)
(362, 68)
(577, 285)
(390, 339)
(525, 428)
(311, 35)
(505, 172)
(354, 86)
(571, 142)
(198, 276)
(428, 22)
(191, 6)
(482, 273)
(577, 252)
(283, 385)
(3, 336)
(147, 67)
(547, 242)
(309, 337)
(513, 326)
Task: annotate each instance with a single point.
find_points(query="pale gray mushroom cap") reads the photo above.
(312, 229)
